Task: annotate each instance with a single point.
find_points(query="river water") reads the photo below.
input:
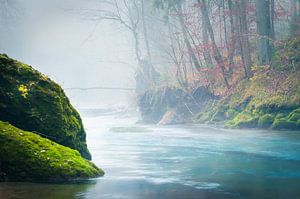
(184, 161)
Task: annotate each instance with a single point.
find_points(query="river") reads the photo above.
(181, 161)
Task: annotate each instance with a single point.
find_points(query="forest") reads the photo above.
(243, 53)
(149, 99)
(209, 43)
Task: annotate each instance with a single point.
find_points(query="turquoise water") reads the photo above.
(179, 162)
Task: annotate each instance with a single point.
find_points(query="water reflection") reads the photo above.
(44, 191)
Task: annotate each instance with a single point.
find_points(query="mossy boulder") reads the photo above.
(25, 156)
(243, 120)
(280, 116)
(33, 102)
(294, 115)
(249, 123)
(265, 121)
(284, 124)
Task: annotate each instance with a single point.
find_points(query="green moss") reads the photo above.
(202, 117)
(265, 121)
(294, 115)
(268, 92)
(296, 110)
(251, 99)
(283, 124)
(243, 120)
(25, 156)
(33, 102)
(213, 112)
(280, 116)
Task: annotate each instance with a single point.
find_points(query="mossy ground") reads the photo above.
(33, 102)
(25, 156)
(269, 100)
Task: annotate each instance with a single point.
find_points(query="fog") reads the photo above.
(58, 40)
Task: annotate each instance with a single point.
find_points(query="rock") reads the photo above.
(33, 102)
(294, 116)
(243, 120)
(265, 121)
(170, 117)
(33, 158)
(283, 124)
(170, 105)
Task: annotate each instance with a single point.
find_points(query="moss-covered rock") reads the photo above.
(280, 116)
(283, 124)
(25, 156)
(33, 102)
(265, 121)
(269, 95)
(243, 120)
(294, 115)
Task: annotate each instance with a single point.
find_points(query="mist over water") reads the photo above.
(140, 161)
(146, 161)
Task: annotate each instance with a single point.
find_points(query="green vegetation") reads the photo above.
(243, 120)
(252, 105)
(33, 102)
(265, 121)
(25, 156)
(270, 99)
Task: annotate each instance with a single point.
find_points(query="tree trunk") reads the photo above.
(295, 23)
(272, 19)
(232, 37)
(245, 45)
(206, 53)
(264, 31)
(186, 40)
(146, 32)
(217, 54)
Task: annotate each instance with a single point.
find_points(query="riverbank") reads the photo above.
(268, 100)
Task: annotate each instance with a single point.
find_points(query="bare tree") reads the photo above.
(217, 54)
